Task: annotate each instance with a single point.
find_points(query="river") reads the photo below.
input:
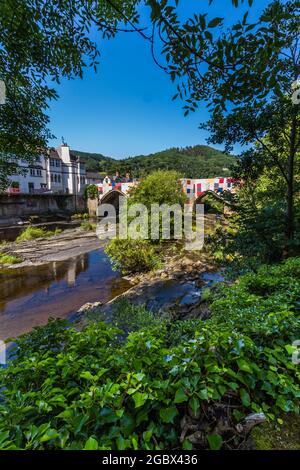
(30, 296)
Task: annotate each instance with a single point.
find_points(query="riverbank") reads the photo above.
(61, 247)
(63, 277)
(176, 289)
(31, 295)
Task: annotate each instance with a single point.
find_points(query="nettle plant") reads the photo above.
(170, 385)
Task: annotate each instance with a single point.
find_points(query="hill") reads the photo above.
(94, 161)
(191, 162)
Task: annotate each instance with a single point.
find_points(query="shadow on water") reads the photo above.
(182, 294)
(30, 296)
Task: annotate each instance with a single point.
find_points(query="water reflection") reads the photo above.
(29, 296)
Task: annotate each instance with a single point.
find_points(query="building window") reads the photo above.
(51, 162)
(52, 178)
(32, 172)
(43, 185)
(39, 172)
(57, 162)
(55, 178)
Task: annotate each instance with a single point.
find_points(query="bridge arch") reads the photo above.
(112, 197)
(214, 195)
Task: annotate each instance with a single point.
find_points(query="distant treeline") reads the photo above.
(191, 162)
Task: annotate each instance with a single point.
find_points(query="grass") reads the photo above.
(30, 233)
(9, 259)
(87, 226)
(80, 216)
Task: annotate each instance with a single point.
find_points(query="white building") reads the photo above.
(56, 171)
(30, 178)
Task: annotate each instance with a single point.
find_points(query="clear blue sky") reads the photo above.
(125, 108)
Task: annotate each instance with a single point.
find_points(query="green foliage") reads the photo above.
(246, 75)
(132, 256)
(91, 191)
(31, 233)
(96, 161)
(129, 317)
(80, 216)
(160, 187)
(255, 230)
(88, 226)
(271, 294)
(95, 389)
(41, 42)
(9, 259)
(190, 162)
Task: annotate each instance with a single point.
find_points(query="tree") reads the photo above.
(91, 191)
(40, 42)
(161, 187)
(245, 75)
(138, 255)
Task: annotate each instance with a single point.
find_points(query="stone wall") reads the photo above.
(16, 206)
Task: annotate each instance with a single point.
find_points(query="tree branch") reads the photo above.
(275, 158)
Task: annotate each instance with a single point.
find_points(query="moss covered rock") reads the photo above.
(275, 436)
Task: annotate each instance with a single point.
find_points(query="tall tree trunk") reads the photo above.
(289, 230)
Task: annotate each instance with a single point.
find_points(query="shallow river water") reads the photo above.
(30, 296)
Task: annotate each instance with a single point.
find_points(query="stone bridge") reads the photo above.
(195, 190)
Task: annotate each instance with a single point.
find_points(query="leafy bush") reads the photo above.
(160, 187)
(132, 256)
(30, 233)
(91, 191)
(9, 259)
(255, 233)
(128, 317)
(166, 385)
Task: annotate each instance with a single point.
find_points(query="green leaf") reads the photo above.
(180, 396)
(208, 36)
(139, 399)
(3, 436)
(215, 441)
(91, 444)
(194, 404)
(290, 349)
(121, 443)
(215, 22)
(87, 375)
(147, 436)
(167, 415)
(245, 397)
(244, 365)
(202, 22)
(50, 434)
(203, 394)
(187, 445)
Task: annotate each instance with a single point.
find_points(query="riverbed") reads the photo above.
(30, 295)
